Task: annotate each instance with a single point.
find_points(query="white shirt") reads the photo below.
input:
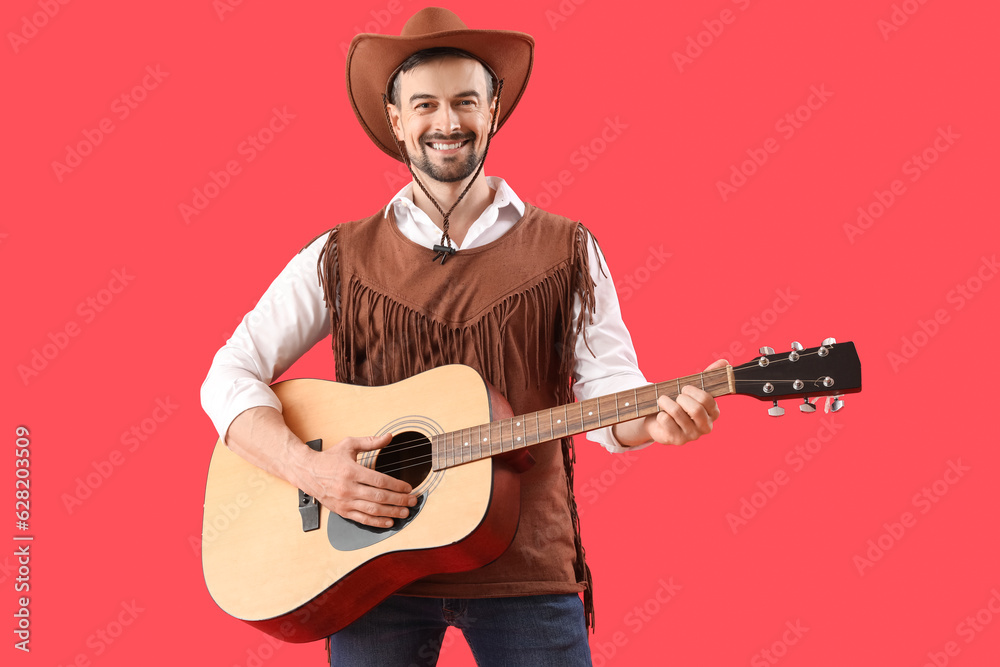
(292, 317)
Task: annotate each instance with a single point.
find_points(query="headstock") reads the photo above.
(831, 369)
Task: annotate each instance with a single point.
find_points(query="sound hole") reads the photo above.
(406, 457)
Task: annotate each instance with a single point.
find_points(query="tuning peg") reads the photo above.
(776, 411)
(767, 350)
(837, 404)
(797, 346)
(829, 341)
(807, 406)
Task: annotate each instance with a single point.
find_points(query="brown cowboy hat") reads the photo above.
(372, 59)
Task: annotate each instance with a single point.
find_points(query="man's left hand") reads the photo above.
(679, 421)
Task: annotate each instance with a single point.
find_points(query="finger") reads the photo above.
(366, 519)
(700, 421)
(368, 443)
(368, 506)
(675, 421)
(367, 476)
(718, 363)
(389, 502)
(689, 417)
(706, 400)
(378, 481)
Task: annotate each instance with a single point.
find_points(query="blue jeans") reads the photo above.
(526, 631)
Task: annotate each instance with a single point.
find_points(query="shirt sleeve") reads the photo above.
(290, 318)
(613, 366)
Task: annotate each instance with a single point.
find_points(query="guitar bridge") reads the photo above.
(308, 507)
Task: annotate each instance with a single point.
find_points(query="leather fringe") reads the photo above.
(443, 344)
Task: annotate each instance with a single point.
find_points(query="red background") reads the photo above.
(680, 131)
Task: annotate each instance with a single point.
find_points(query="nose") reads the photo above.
(447, 119)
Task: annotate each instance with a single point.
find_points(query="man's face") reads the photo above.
(443, 117)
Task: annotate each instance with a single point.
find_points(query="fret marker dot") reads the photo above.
(590, 414)
(518, 423)
(626, 404)
(519, 438)
(466, 444)
(559, 421)
(484, 439)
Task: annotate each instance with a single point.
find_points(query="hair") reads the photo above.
(430, 55)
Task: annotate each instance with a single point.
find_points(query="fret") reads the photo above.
(485, 440)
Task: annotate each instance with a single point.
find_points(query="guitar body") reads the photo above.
(262, 567)
(277, 560)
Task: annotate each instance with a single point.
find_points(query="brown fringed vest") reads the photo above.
(505, 309)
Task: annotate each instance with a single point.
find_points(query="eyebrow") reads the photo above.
(428, 96)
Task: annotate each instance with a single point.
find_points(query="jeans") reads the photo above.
(525, 631)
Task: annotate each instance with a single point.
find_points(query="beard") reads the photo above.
(455, 168)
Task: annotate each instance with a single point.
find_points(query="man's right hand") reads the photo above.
(336, 479)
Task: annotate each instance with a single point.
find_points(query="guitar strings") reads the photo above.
(420, 441)
(715, 376)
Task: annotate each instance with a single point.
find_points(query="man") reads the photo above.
(456, 269)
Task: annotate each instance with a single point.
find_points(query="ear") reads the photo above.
(395, 120)
(494, 108)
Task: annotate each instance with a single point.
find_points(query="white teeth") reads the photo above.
(446, 147)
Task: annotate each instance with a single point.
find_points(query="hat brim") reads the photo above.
(372, 59)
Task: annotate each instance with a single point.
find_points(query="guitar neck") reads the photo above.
(505, 435)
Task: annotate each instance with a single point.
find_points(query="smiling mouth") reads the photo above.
(447, 146)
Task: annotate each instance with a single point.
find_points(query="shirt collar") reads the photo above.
(505, 196)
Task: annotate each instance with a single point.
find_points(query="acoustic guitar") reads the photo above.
(276, 559)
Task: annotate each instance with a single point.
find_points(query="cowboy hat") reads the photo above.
(373, 59)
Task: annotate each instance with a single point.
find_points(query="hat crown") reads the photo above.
(430, 20)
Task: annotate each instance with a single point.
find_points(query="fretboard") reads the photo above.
(505, 435)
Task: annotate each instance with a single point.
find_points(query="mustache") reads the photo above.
(437, 136)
